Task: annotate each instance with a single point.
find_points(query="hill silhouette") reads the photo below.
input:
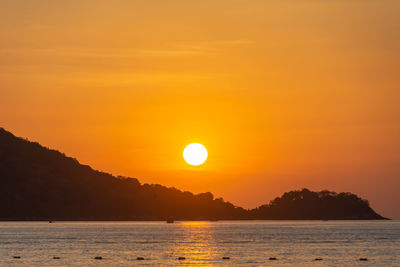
(37, 183)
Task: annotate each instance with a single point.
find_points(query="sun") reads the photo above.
(195, 154)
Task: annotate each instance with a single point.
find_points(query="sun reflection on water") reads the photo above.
(197, 243)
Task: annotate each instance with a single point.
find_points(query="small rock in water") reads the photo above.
(98, 258)
(139, 258)
(56, 258)
(181, 258)
(318, 259)
(226, 258)
(272, 259)
(363, 259)
(16, 257)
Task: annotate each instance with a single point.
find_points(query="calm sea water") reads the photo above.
(293, 243)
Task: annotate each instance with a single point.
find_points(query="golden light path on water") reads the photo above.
(198, 243)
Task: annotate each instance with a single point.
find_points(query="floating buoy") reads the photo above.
(98, 258)
(363, 259)
(56, 258)
(16, 257)
(318, 259)
(272, 259)
(139, 258)
(226, 258)
(181, 258)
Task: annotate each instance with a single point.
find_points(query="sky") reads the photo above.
(284, 94)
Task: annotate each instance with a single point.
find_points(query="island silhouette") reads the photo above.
(38, 183)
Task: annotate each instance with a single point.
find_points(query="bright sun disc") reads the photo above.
(195, 154)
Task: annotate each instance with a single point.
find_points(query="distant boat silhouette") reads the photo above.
(170, 220)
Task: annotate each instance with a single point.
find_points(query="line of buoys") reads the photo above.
(183, 258)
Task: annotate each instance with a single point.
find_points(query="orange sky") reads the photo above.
(284, 94)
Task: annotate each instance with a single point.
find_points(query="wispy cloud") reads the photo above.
(102, 53)
(214, 45)
(174, 50)
(229, 42)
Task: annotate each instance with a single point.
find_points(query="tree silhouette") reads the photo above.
(37, 183)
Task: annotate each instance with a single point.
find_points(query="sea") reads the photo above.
(201, 243)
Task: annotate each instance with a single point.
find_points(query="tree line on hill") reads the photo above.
(37, 183)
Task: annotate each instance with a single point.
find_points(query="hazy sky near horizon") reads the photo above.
(284, 94)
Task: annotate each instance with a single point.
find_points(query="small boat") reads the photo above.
(170, 220)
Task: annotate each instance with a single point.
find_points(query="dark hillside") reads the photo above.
(308, 205)
(37, 183)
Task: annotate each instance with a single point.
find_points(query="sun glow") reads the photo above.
(195, 154)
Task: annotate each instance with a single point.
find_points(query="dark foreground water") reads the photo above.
(293, 243)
